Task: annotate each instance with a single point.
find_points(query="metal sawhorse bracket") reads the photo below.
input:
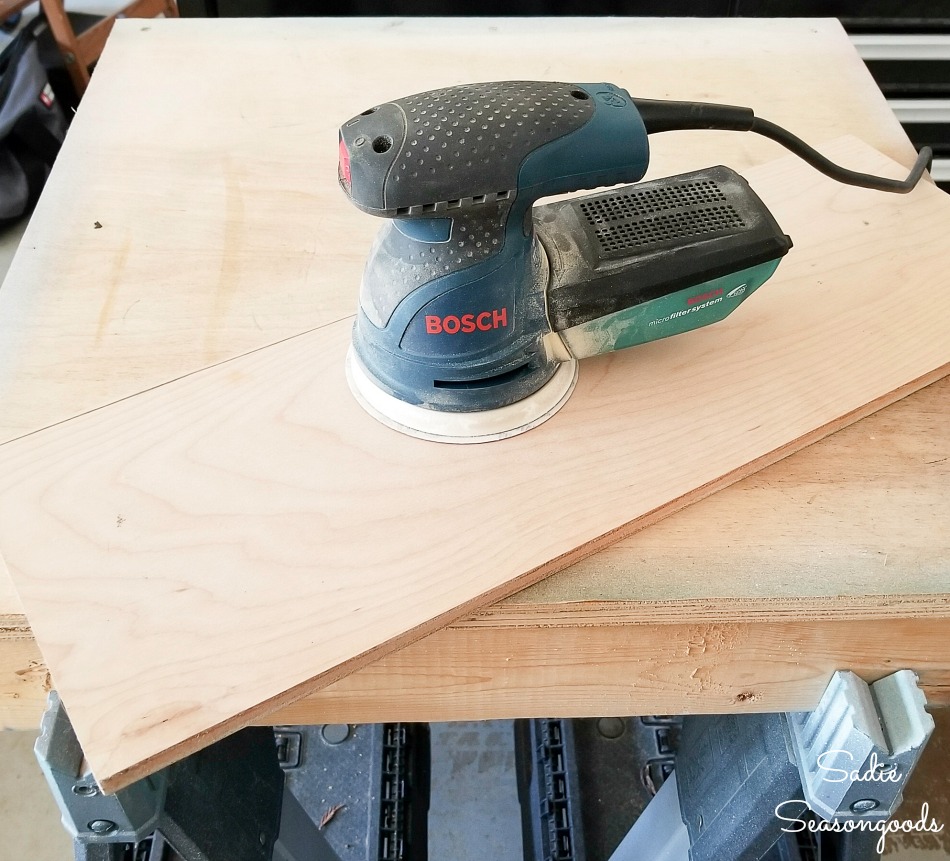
(751, 787)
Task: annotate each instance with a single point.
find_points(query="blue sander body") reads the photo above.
(476, 303)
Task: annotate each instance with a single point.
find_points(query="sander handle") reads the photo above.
(429, 155)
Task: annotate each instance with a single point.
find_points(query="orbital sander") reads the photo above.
(475, 304)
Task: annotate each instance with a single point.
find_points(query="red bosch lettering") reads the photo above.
(451, 324)
(704, 297)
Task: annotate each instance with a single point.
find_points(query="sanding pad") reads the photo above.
(461, 427)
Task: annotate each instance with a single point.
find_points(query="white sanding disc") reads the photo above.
(482, 426)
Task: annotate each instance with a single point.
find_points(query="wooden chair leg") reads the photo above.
(79, 52)
(67, 43)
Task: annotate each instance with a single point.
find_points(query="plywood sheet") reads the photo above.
(849, 529)
(223, 230)
(245, 534)
(206, 149)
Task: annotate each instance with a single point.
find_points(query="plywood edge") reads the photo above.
(598, 614)
(14, 626)
(122, 778)
(177, 750)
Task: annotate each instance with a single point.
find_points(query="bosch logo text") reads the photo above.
(452, 325)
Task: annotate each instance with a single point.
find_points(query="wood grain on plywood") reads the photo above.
(206, 151)
(9, 602)
(854, 521)
(245, 534)
(854, 532)
(222, 228)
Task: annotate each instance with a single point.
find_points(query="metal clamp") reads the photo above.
(849, 759)
(857, 749)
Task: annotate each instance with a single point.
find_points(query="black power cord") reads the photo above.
(668, 116)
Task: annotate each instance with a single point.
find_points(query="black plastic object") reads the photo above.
(732, 772)
(224, 801)
(668, 116)
(616, 249)
(621, 763)
(302, 793)
(595, 775)
(549, 791)
(660, 115)
(368, 786)
(404, 792)
(908, 78)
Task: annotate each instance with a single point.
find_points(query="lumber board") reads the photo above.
(858, 543)
(703, 667)
(245, 534)
(578, 669)
(206, 150)
(24, 679)
(244, 239)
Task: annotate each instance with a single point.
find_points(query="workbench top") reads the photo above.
(180, 229)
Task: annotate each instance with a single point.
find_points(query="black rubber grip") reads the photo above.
(440, 150)
(669, 116)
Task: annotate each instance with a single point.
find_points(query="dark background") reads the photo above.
(882, 15)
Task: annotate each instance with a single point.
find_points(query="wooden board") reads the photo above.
(244, 238)
(245, 534)
(568, 665)
(851, 538)
(701, 667)
(206, 149)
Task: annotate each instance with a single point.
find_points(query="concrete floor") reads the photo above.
(29, 821)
